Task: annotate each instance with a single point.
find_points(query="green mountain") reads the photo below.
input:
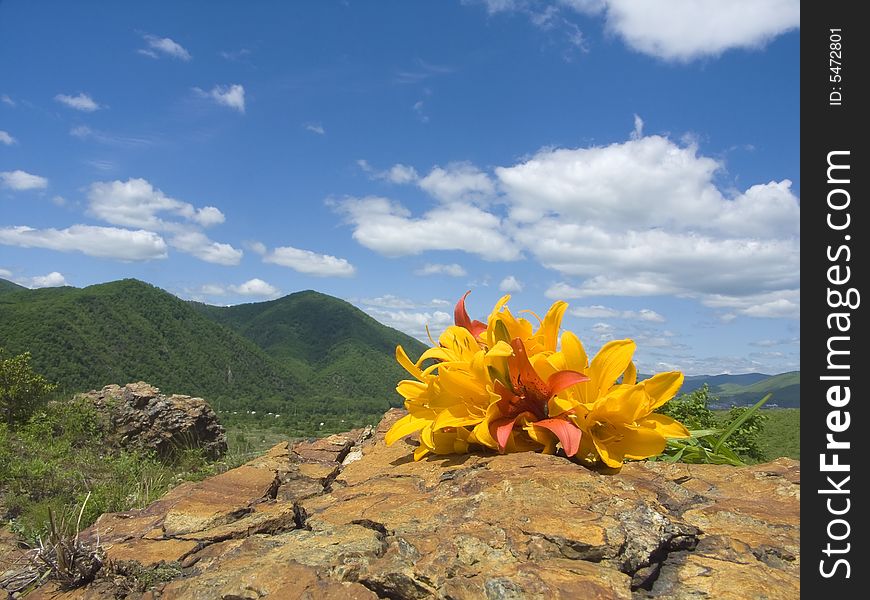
(8, 286)
(747, 389)
(304, 354)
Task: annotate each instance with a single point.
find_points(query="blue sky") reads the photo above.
(638, 160)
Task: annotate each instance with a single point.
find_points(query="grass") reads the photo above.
(782, 431)
(56, 459)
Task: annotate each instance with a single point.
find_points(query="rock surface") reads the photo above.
(295, 523)
(140, 417)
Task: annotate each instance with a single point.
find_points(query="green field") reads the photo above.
(782, 432)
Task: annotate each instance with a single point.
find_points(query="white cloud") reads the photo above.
(5, 273)
(310, 263)
(22, 180)
(136, 203)
(83, 132)
(389, 228)
(315, 128)
(458, 182)
(597, 311)
(53, 279)
(510, 284)
(682, 30)
(673, 30)
(451, 270)
(102, 242)
(257, 247)
(637, 133)
(6, 138)
(413, 323)
(644, 314)
(158, 46)
(232, 96)
(399, 173)
(776, 304)
(418, 109)
(389, 301)
(212, 289)
(667, 229)
(256, 287)
(82, 102)
(102, 164)
(5, 99)
(199, 245)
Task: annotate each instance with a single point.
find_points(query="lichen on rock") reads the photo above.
(296, 523)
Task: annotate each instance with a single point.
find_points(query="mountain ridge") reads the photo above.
(129, 330)
(305, 348)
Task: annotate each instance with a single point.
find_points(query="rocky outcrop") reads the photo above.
(296, 523)
(140, 417)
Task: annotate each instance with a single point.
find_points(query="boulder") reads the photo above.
(140, 417)
(297, 523)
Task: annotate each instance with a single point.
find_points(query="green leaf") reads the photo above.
(736, 424)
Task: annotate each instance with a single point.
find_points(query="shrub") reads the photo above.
(21, 389)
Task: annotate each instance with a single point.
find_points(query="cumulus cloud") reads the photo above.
(5, 99)
(6, 139)
(137, 203)
(202, 247)
(256, 287)
(101, 242)
(315, 128)
(81, 101)
(672, 30)
(667, 229)
(458, 182)
(389, 301)
(310, 263)
(412, 322)
(682, 30)
(22, 180)
(158, 46)
(257, 247)
(401, 174)
(390, 229)
(53, 279)
(597, 311)
(451, 270)
(232, 96)
(510, 284)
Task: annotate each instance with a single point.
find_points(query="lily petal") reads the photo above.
(404, 426)
(665, 426)
(564, 379)
(568, 434)
(611, 362)
(662, 387)
(407, 364)
(461, 318)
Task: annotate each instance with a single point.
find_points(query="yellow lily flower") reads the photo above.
(510, 387)
(618, 417)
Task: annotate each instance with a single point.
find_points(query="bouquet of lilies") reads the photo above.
(511, 387)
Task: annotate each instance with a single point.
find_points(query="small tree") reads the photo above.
(746, 439)
(692, 409)
(21, 389)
